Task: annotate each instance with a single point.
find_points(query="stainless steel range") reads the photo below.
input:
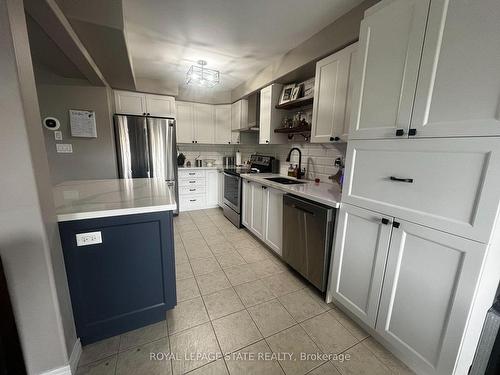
(232, 185)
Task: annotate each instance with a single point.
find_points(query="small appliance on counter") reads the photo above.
(275, 166)
(233, 185)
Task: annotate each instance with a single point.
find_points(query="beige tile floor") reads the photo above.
(234, 296)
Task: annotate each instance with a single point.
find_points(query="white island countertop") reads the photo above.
(322, 192)
(90, 199)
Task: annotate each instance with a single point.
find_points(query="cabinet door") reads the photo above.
(430, 280)
(223, 124)
(353, 69)
(160, 105)
(358, 261)
(130, 103)
(246, 206)
(220, 177)
(185, 123)
(212, 192)
(458, 92)
(257, 219)
(273, 214)
(391, 39)
(270, 117)
(204, 123)
(330, 90)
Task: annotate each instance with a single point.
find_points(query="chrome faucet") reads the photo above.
(299, 172)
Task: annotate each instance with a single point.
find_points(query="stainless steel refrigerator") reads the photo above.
(146, 148)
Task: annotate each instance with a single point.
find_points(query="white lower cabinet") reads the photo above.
(212, 194)
(220, 177)
(198, 189)
(273, 218)
(262, 213)
(257, 217)
(359, 261)
(421, 304)
(246, 203)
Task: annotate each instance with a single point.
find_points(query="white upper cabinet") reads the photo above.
(358, 262)
(239, 119)
(130, 103)
(330, 98)
(136, 103)
(223, 124)
(160, 105)
(185, 122)
(390, 45)
(430, 281)
(450, 184)
(204, 123)
(270, 117)
(458, 92)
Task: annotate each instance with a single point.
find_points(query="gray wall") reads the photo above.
(338, 34)
(92, 158)
(29, 240)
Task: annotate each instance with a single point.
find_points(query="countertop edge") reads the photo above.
(259, 179)
(114, 212)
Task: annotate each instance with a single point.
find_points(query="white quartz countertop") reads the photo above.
(200, 168)
(325, 193)
(89, 199)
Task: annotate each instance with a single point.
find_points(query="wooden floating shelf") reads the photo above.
(300, 102)
(297, 129)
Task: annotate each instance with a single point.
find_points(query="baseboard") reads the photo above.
(65, 370)
(69, 369)
(75, 356)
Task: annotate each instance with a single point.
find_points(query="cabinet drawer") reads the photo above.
(447, 184)
(200, 182)
(190, 190)
(191, 174)
(192, 202)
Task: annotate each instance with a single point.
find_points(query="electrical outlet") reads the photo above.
(64, 148)
(90, 238)
(58, 135)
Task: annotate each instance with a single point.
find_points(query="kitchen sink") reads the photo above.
(285, 181)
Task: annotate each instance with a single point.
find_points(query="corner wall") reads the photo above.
(29, 240)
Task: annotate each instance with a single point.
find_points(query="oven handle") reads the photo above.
(231, 175)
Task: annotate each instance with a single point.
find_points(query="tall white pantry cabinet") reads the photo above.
(417, 252)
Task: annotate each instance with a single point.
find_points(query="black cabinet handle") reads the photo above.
(192, 182)
(395, 224)
(412, 132)
(334, 139)
(264, 187)
(267, 141)
(192, 200)
(407, 180)
(400, 132)
(385, 221)
(192, 189)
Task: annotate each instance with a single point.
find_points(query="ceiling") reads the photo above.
(237, 37)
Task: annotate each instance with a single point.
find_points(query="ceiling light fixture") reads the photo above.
(201, 76)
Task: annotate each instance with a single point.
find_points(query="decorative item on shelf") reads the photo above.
(286, 93)
(296, 93)
(209, 162)
(308, 88)
(181, 159)
(188, 164)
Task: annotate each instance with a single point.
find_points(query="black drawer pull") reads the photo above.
(412, 132)
(192, 189)
(192, 200)
(396, 224)
(385, 221)
(400, 132)
(407, 180)
(192, 182)
(192, 174)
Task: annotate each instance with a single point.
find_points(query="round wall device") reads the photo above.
(51, 123)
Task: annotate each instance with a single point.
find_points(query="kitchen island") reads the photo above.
(118, 244)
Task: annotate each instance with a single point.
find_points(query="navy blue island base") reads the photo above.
(125, 282)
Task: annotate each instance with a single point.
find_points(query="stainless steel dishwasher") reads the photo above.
(307, 238)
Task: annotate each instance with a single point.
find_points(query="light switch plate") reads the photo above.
(64, 148)
(90, 238)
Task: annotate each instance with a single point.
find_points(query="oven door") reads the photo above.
(232, 191)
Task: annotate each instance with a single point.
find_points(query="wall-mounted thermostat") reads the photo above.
(51, 123)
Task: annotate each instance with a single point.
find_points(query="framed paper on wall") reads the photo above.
(286, 93)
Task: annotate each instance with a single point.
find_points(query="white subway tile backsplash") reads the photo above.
(318, 159)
